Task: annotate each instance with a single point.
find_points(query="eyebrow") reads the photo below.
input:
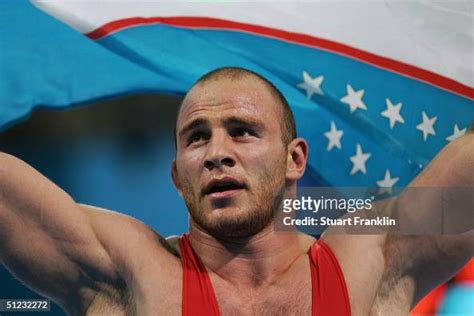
(192, 125)
(232, 120)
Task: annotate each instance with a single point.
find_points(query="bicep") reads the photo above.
(46, 240)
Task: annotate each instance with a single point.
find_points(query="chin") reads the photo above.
(232, 222)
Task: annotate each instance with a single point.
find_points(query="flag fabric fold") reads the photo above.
(44, 62)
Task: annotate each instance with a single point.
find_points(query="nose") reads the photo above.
(218, 163)
(218, 153)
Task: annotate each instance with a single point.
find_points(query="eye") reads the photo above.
(196, 137)
(242, 132)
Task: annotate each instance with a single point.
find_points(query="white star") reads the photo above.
(456, 133)
(334, 136)
(427, 126)
(359, 160)
(311, 85)
(354, 99)
(393, 113)
(387, 183)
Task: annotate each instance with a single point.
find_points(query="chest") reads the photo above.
(289, 295)
(156, 289)
(275, 300)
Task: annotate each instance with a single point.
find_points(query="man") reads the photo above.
(237, 158)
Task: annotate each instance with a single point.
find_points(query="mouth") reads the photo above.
(223, 188)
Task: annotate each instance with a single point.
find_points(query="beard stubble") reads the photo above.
(258, 213)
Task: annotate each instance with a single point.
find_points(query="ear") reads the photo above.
(174, 176)
(296, 159)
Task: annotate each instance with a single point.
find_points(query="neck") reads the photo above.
(254, 261)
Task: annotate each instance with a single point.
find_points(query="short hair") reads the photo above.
(288, 126)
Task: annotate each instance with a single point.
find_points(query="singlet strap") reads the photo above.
(330, 295)
(198, 295)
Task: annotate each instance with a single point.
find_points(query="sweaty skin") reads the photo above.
(95, 262)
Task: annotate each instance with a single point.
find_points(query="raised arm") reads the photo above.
(388, 273)
(428, 260)
(416, 261)
(47, 240)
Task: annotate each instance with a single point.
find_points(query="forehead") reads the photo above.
(245, 95)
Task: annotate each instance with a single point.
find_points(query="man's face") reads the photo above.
(231, 160)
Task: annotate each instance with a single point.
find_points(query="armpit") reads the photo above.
(112, 301)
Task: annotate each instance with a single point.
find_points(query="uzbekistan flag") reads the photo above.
(377, 88)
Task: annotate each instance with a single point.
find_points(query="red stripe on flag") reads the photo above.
(398, 67)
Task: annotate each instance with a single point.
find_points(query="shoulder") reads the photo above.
(363, 264)
(126, 238)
